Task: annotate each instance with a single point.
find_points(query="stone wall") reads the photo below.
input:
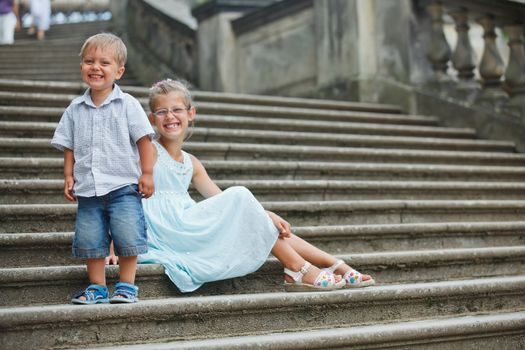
(159, 45)
(278, 57)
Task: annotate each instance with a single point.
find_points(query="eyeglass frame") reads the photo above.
(178, 111)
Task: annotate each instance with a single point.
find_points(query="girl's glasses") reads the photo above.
(176, 111)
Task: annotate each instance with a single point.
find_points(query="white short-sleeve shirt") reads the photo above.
(104, 141)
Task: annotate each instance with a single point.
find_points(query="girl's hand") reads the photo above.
(112, 259)
(69, 182)
(146, 186)
(283, 226)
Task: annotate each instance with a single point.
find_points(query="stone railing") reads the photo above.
(499, 84)
(371, 51)
(159, 45)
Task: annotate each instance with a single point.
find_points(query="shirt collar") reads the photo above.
(115, 94)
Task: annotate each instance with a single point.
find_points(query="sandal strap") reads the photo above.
(126, 290)
(298, 276)
(93, 292)
(334, 267)
(325, 279)
(353, 276)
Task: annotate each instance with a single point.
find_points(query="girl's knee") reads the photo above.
(241, 192)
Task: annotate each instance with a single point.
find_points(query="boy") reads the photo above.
(102, 134)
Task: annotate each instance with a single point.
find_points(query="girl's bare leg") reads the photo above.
(310, 252)
(317, 256)
(284, 252)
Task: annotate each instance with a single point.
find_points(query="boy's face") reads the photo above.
(99, 68)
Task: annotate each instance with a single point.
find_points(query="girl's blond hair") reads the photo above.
(166, 86)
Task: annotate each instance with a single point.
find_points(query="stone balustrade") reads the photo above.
(502, 84)
(80, 5)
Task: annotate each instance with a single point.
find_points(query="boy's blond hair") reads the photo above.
(107, 40)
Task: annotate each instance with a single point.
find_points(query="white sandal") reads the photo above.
(324, 281)
(352, 278)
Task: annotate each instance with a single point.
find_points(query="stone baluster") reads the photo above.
(491, 67)
(515, 73)
(463, 57)
(438, 51)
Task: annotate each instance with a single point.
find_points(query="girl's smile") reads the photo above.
(172, 125)
(171, 116)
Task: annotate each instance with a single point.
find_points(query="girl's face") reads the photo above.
(171, 116)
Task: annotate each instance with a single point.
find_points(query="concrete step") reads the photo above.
(66, 30)
(255, 314)
(14, 118)
(311, 113)
(38, 49)
(66, 70)
(60, 217)
(33, 191)
(200, 134)
(221, 108)
(54, 248)
(33, 147)
(52, 168)
(73, 40)
(73, 88)
(504, 330)
(16, 63)
(45, 76)
(20, 284)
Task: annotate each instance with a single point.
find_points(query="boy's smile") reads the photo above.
(99, 70)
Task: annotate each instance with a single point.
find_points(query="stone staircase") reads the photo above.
(435, 214)
(55, 58)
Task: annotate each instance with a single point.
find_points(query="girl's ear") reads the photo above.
(192, 113)
(151, 118)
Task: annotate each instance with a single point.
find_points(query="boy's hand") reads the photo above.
(69, 182)
(146, 186)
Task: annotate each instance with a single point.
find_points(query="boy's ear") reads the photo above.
(151, 118)
(120, 71)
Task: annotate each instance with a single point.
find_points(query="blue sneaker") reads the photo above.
(93, 294)
(125, 293)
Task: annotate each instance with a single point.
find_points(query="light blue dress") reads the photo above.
(225, 236)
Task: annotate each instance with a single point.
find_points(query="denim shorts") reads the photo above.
(116, 216)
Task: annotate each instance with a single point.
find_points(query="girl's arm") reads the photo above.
(69, 180)
(201, 180)
(148, 157)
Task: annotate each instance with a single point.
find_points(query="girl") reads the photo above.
(228, 234)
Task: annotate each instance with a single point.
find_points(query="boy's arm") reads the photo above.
(69, 180)
(147, 161)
